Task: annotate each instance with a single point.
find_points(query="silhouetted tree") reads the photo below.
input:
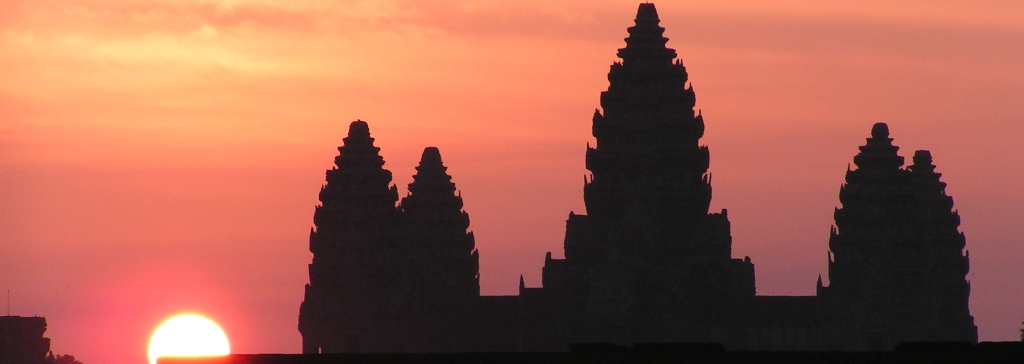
(61, 359)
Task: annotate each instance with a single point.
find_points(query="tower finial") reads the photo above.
(647, 14)
(880, 131)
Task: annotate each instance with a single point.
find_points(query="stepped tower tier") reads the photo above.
(899, 268)
(445, 262)
(357, 256)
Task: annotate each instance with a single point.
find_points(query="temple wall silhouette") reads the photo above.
(911, 353)
(647, 263)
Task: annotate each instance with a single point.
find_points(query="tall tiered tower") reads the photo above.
(648, 263)
(647, 162)
(442, 281)
(899, 267)
(444, 272)
(358, 261)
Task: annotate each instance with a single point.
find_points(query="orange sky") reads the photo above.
(159, 156)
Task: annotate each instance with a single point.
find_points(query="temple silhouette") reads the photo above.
(647, 263)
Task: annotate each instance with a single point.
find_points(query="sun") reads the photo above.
(188, 335)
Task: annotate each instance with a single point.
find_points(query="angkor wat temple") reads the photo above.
(648, 263)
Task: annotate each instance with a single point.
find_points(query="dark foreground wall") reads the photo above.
(955, 352)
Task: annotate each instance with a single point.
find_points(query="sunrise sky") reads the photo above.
(161, 156)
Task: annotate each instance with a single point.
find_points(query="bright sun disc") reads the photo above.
(188, 335)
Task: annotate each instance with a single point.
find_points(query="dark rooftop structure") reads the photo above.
(22, 341)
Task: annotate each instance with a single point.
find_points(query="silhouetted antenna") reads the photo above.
(8, 302)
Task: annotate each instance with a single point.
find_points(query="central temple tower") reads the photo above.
(648, 263)
(648, 169)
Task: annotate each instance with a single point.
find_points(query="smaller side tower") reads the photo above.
(949, 261)
(899, 270)
(444, 262)
(443, 282)
(351, 301)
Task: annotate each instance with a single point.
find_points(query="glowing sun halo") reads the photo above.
(188, 335)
